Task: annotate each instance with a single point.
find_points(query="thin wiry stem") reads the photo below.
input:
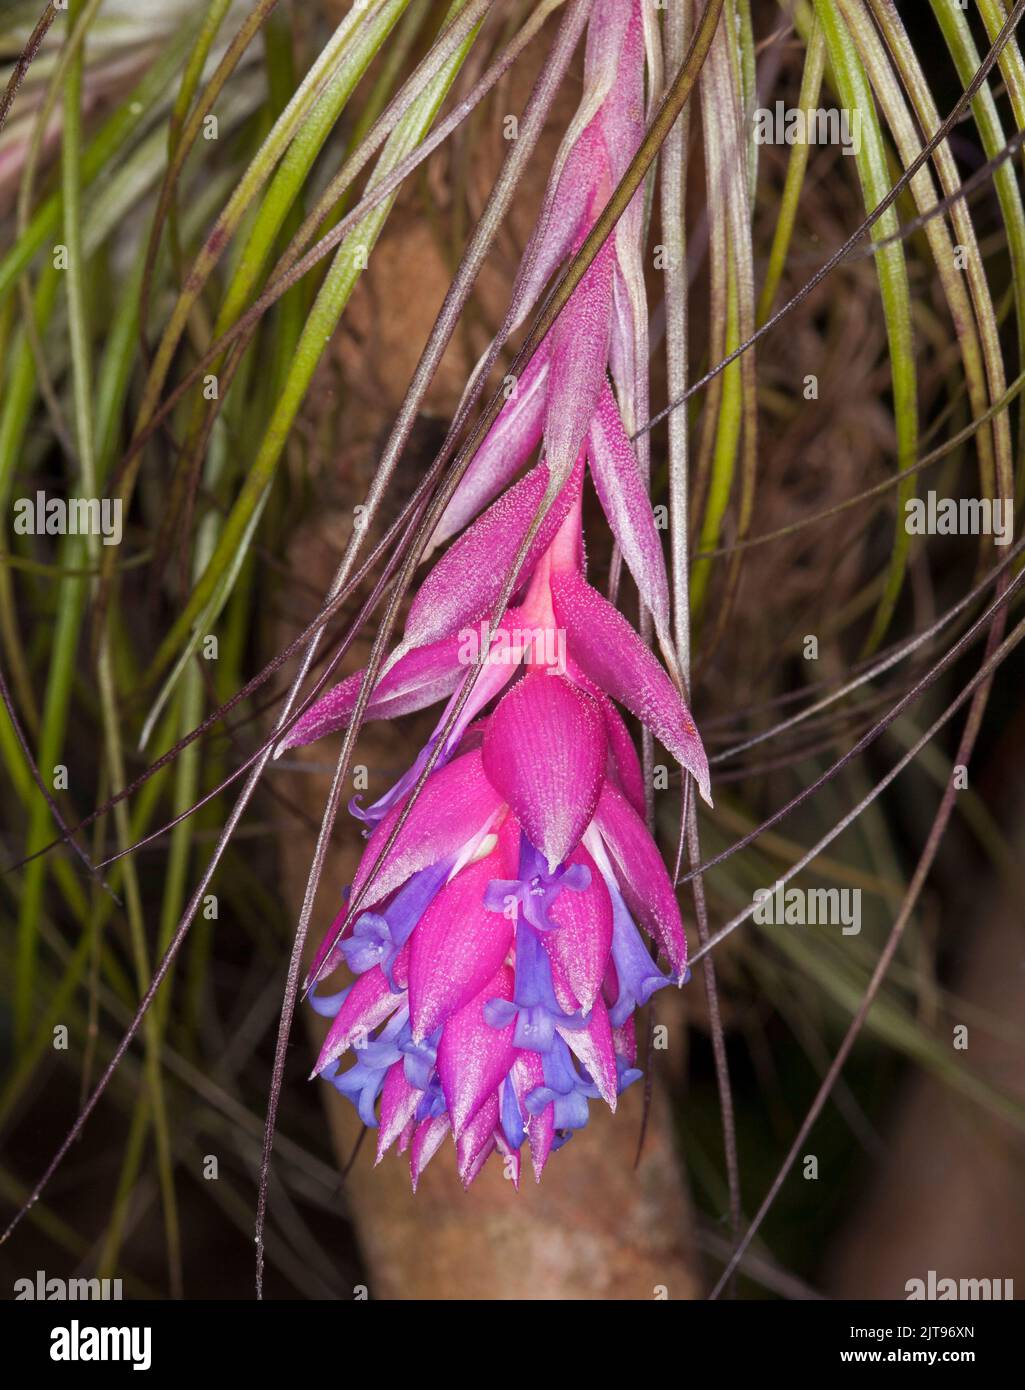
(715, 1026)
(67, 836)
(25, 59)
(878, 489)
(1005, 649)
(980, 686)
(927, 680)
(877, 668)
(973, 181)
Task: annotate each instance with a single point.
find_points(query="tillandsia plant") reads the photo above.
(513, 420)
(494, 925)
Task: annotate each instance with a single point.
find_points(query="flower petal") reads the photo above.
(473, 1057)
(465, 585)
(545, 752)
(626, 503)
(418, 679)
(641, 874)
(508, 445)
(612, 655)
(456, 804)
(593, 1046)
(458, 944)
(370, 1001)
(398, 1103)
(579, 947)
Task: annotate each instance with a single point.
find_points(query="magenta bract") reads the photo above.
(503, 919)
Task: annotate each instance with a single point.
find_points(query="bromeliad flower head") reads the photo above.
(498, 948)
(497, 924)
(496, 973)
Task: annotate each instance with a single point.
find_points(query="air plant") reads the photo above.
(178, 276)
(501, 952)
(500, 941)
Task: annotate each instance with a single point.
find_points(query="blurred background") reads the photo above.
(133, 131)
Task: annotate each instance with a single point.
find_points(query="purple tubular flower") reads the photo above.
(377, 937)
(366, 1005)
(535, 892)
(373, 815)
(514, 1124)
(642, 875)
(497, 944)
(363, 1082)
(419, 1060)
(634, 975)
(533, 1008)
(565, 1089)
